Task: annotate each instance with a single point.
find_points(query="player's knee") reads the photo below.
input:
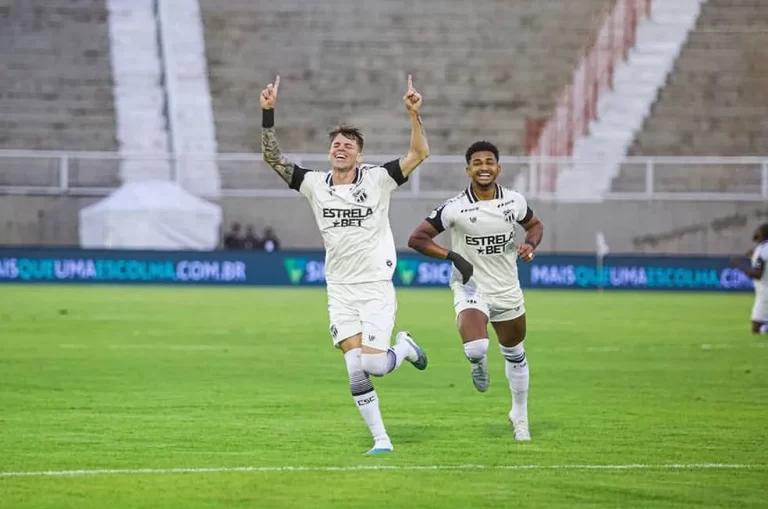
(358, 380)
(352, 358)
(476, 350)
(512, 341)
(377, 364)
(512, 337)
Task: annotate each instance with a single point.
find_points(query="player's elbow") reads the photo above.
(416, 240)
(418, 155)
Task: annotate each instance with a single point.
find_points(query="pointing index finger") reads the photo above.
(410, 82)
(277, 83)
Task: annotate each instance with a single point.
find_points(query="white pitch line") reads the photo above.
(139, 471)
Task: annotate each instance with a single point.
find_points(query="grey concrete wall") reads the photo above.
(40, 220)
(630, 227)
(699, 227)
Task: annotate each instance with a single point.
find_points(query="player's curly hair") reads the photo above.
(349, 132)
(763, 231)
(482, 146)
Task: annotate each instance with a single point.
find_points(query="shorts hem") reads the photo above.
(508, 315)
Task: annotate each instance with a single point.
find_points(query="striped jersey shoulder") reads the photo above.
(459, 199)
(506, 191)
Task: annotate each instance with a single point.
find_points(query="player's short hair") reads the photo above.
(482, 146)
(350, 132)
(763, 229)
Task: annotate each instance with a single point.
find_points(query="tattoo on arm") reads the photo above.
(272, 155)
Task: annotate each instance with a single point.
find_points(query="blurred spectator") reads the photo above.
(270, 241)
(251, 241)
(233, 239)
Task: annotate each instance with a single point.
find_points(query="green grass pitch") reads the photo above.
(127, 378)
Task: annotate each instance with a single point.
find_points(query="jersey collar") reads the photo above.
(473, 197)
(358, 177)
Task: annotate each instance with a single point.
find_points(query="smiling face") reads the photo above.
(346, 148)
(483, 168)
(345, 153)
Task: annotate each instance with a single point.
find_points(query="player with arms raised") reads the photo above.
(485, 284)
(351, 208)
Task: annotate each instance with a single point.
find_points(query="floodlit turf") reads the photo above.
(165, 378)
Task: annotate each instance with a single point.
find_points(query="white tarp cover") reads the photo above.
(151, 215)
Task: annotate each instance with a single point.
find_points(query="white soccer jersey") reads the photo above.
(760, 259)
(483, 232)
(354, 220)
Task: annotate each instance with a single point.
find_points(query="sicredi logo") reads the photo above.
(435, 273)
(295, 269)
(406, 270)
(413, 272)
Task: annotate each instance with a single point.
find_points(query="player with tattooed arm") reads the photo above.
(350, 204)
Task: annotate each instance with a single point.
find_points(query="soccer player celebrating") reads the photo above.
(351, 208)
(759, 275)
(484, 282)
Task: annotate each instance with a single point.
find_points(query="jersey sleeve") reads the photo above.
(522, 211)
(303, 179)
(392, 177)
(441, 218)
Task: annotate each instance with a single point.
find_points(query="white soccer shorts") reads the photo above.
(498, 308)
(363, 308)
(760, 310)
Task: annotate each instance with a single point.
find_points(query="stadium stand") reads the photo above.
(343, 61)
(55, 76)
(716, 103)
(55, 89)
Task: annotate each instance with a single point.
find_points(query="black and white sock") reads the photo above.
(365, 397)
(518, 375)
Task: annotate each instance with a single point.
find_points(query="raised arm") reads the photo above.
(269, 148)
(419, 149)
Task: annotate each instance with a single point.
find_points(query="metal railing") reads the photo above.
(246, 174)
(576, 105)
